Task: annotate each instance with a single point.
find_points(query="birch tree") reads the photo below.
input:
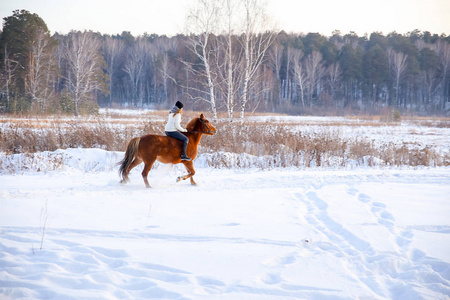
(42, 69)
(228, 56)
(113, 49)
(398, 62)
(201, 23)
(85, 67)
(135, 68)
(8, 75)
(231, 64)
(443, 52)
(256, 39)
(334, 75)
(290, 56)
(299, 73)
(165, 71)
(314, 70)
(275, 59)
(429, 64)
(165, 67)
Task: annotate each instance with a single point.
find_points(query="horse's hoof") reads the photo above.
(178, 179)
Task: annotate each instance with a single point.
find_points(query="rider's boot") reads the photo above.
(183, 153)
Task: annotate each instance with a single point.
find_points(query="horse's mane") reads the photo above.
(191, 125)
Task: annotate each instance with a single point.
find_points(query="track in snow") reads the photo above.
(278, 235)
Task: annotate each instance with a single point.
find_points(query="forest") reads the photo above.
(229, 70)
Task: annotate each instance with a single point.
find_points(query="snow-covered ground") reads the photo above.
(366, 233)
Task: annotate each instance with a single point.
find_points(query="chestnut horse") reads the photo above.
(149, 148)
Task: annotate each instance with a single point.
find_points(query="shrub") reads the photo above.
(396, 116)
(266, 145)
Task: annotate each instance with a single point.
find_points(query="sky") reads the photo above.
(294, 16)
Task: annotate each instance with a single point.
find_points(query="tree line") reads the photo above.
(228, 68)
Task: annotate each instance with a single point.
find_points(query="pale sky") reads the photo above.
(167, 16)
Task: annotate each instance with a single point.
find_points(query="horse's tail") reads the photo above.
(130, 154)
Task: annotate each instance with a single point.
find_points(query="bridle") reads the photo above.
(204, 125)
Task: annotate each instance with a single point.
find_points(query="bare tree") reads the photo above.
(8, 74)
(42, 68)
(228, 55)
(314, 71)
(299, 73)
(113, 50)
(36, 60)
(430, 80)
(430, 75)
(275, 59)
(60, 60)
(230, 63)
(290, 56)
(165, 73)
(221, 58)
(150, 81)
(334, 74)
(257, 37)
(51, 73)
(398, 62)
(443, 52)
(135, 68)
(201, 22)
(85, 75)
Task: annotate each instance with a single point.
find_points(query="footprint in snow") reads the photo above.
(364, 198)
(271, 278)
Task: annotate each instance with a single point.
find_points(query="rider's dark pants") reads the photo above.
(179, 136)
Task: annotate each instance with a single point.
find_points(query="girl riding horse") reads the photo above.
(174, 129)
(167, 150)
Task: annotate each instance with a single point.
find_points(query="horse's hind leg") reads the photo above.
(191, 172)
(147, 168)
(135, 162)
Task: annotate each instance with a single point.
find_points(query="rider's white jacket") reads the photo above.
(173, 124)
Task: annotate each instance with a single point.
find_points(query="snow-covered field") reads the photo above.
(364, 233)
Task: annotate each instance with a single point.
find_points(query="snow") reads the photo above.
(361, 233)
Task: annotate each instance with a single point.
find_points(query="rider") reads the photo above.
(174, 129)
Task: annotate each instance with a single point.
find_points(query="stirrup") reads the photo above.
(185, 157)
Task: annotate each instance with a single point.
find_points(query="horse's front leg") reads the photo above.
(147, 168)
(190, 168)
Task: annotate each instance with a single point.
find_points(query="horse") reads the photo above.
(151, 147)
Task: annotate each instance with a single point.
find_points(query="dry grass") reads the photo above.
(267, 144)
(327, 147)
(21, 137)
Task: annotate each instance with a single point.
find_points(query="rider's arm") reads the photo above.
(177, 120)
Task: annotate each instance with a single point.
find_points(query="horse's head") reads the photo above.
(201, 125)
(206, 126)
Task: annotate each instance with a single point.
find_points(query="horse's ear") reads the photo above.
(202, 116)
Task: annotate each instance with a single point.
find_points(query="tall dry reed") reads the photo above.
(277, 145)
